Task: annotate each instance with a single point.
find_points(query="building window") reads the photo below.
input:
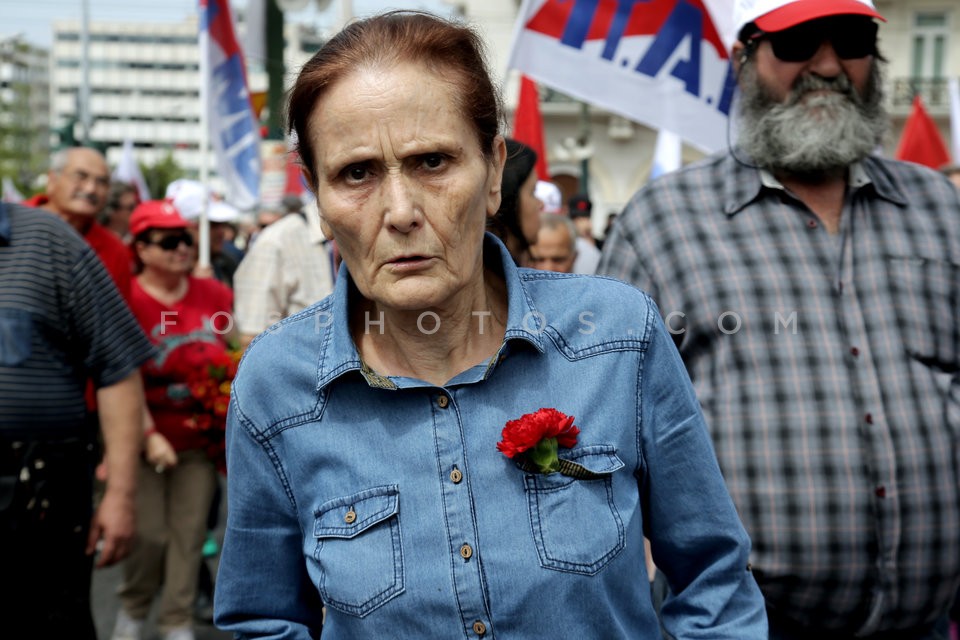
(928, 55)
(930, 33)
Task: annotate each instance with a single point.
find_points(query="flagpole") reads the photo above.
(953, 88)
(584, 143)
(203, 220)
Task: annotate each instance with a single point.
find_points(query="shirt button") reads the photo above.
(881, 492)
(854, 351)
(456, 476)
(479, 628)
(350, 517)
(868, 418)
(812, 223)
(466, 552)
(443, 401)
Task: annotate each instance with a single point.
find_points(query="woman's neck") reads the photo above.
(165, 286)
(434, 344)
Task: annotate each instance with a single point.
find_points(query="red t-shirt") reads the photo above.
(183, 332)
(114, 255)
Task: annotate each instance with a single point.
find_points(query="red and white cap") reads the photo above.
(155, 214)
(777, 15)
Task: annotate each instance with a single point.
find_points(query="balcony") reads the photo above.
(933, 91)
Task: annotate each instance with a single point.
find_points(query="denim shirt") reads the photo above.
(385, 499)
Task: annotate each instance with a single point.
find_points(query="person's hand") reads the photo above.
(100, 473)
(159, 453)
(113, 528)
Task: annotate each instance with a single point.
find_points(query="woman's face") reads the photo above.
(168, 251)
(403, 185)
(530, 209)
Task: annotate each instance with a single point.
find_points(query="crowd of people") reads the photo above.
(433, 417)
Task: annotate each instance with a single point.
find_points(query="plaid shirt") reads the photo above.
(827, 367)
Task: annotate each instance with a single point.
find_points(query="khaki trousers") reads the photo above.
(172, 512)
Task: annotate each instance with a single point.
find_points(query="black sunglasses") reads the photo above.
(851, 37)
(169, 243)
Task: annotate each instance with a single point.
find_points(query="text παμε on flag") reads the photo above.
(660, 62)
(234, 130)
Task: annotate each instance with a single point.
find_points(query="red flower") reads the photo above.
(537, 435)
(209, 378)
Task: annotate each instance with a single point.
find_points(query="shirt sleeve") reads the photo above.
(620, 257)
(103, 324)
(262, 547)
(259, 289)
(696, 536)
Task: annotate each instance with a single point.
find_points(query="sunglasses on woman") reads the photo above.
(851, 37)
(169, 243)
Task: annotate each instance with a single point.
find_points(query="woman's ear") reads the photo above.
(495, 184)
(308, 178)
(327, 231)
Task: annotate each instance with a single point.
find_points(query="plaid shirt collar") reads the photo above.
(747, 183)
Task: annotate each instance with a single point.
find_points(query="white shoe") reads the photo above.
(180, 633)
(126, 628)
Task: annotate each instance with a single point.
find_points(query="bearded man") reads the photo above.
(813, 290)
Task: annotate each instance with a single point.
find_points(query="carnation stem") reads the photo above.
(544, 456)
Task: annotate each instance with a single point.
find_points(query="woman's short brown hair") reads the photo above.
(399, 36)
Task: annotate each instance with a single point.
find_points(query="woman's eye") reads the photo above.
(355, 172)
(433, 160)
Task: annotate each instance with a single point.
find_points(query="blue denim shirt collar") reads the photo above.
(339, 355)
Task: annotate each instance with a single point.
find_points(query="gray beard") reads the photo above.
(815, 135)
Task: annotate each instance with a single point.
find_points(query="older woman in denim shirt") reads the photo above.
(365, 477)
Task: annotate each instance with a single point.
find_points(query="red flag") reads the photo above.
(920, 141)
(528, 124)
(294, 184)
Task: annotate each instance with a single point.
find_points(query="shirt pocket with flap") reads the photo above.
(359, 550)
(576, 525)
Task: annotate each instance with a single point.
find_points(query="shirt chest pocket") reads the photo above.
(359, 551)
(927, 309)
(576, 525)
(15, 336)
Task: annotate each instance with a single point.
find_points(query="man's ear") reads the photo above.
(740, 54)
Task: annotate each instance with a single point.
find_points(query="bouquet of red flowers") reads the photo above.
(209, 386)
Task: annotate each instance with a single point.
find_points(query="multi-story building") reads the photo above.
(144, 85)
(24, 110)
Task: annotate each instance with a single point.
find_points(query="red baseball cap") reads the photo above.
(776, 15)
(155, 214)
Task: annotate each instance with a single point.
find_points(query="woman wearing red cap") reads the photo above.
(188, 319)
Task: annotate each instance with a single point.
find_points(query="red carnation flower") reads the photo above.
(538, 435)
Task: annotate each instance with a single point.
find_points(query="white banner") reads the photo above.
(662, 63)
(128, 170)
(234, 130)
(953, 86)
(667, 155)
